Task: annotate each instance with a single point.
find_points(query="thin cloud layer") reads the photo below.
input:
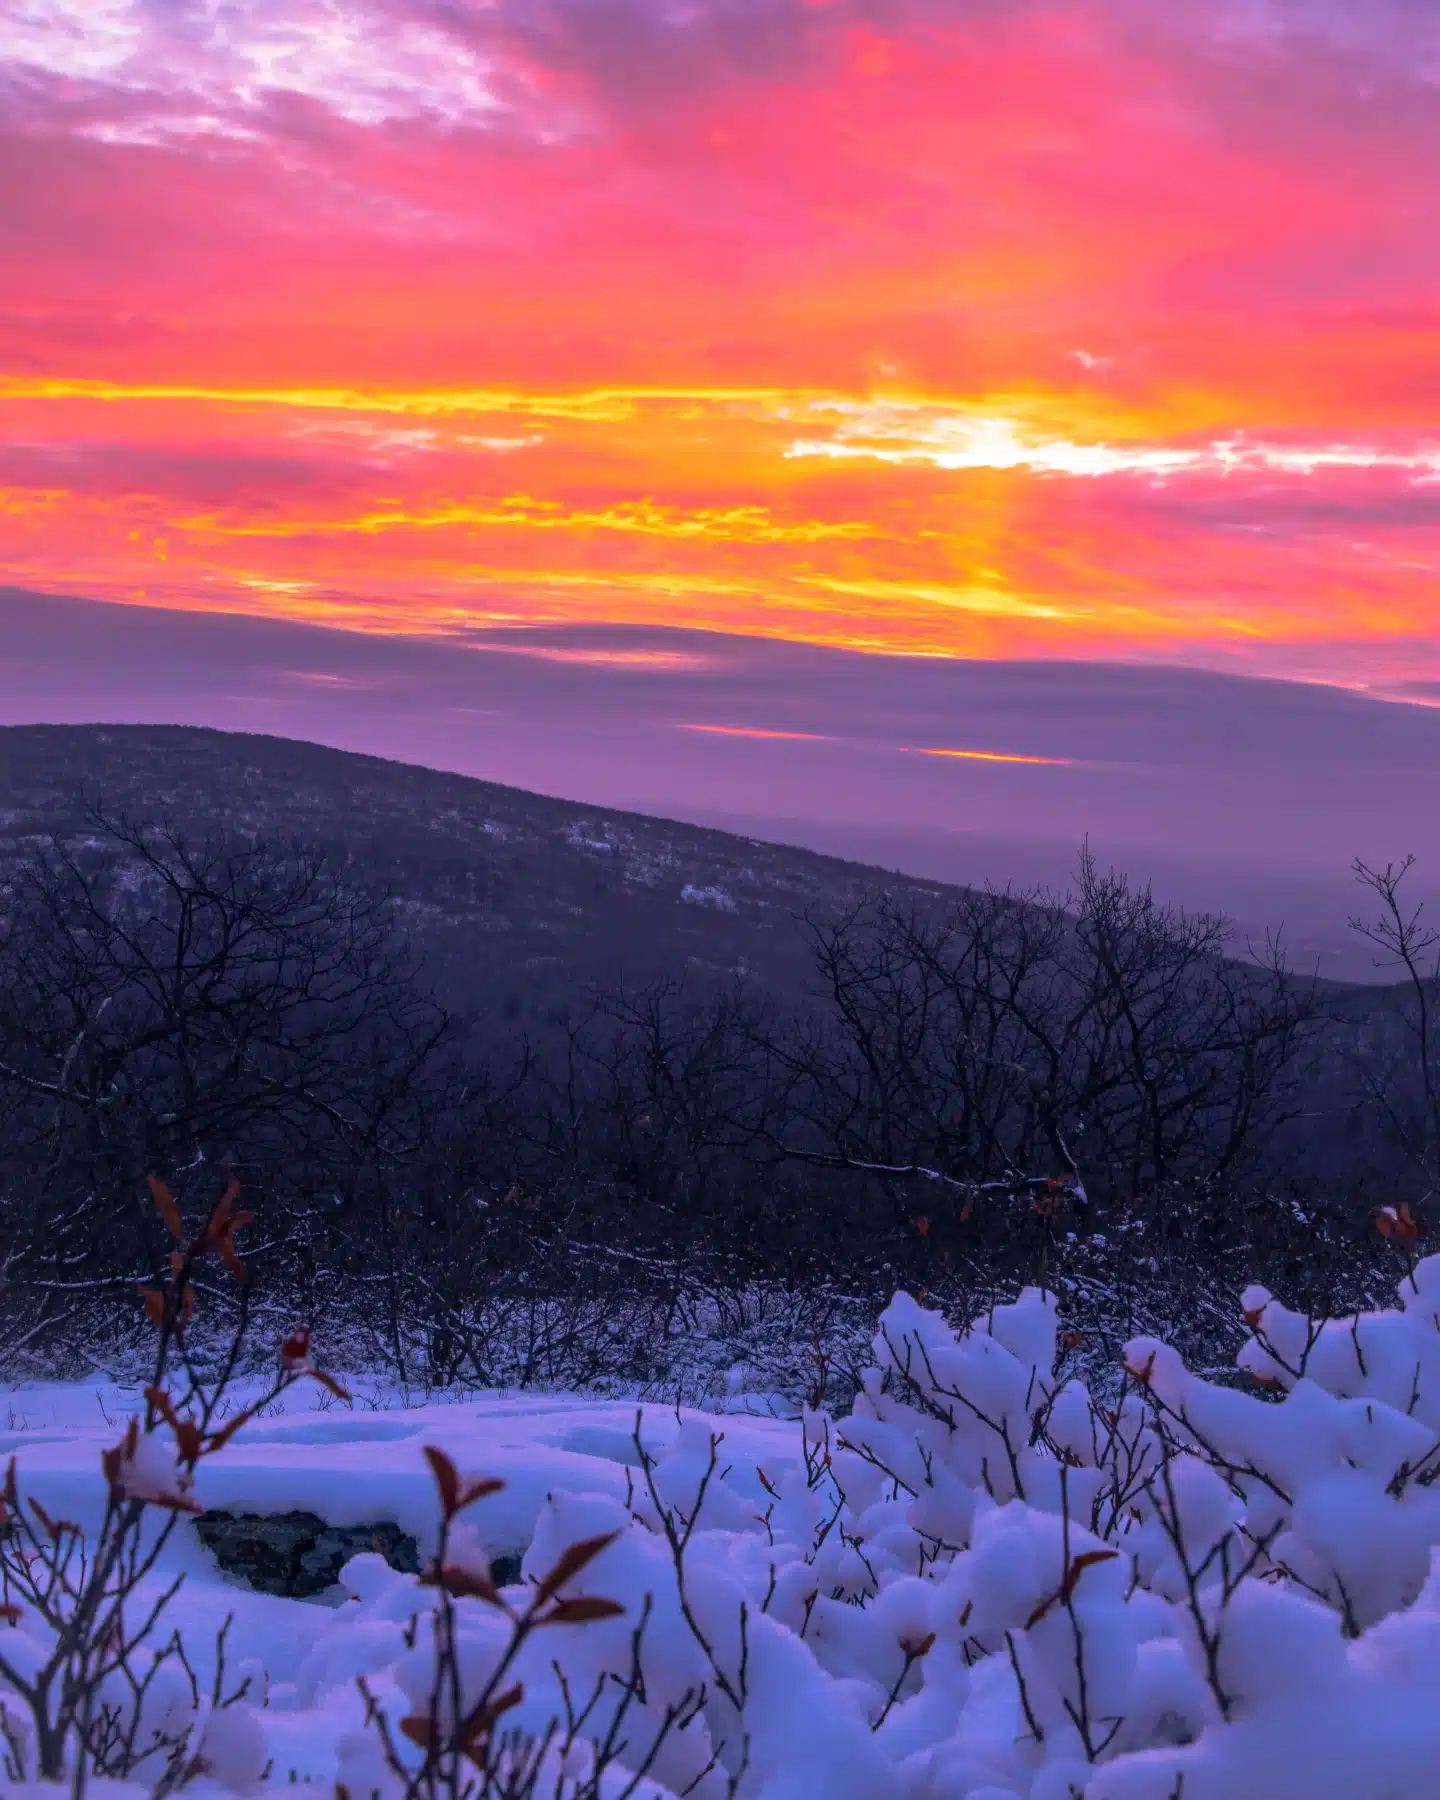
(1150, 761)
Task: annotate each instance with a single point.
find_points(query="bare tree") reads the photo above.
(170, 1006)
(1403, 1080)
(105, 1638)
(1097, 1036)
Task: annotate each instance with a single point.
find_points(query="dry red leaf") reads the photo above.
(160, 1400)
(220, 1438)
(1077, 1568)
(447, 1480)
(482, 1721)
(418, 1729)
(189, 1441)
(1086, 1560)
(585, 1609)
(113, 1461)
(915, 1648)
(154, 1305)
(175, 1502)
(1397, 1222)
(165, 1205)
(579, 1556)
(463, 1584)
(220, 1229)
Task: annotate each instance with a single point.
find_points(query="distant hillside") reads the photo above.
(520, 900)
(523, 904)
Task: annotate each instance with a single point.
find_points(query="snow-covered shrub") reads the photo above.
(94, 1682)
(979, 1584)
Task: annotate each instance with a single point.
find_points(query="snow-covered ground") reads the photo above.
(358, 1464)
(976, 1586)
(350, 1465)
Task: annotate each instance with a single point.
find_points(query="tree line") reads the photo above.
(1093, 1086)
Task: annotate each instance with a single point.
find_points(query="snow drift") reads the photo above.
(981, 1584)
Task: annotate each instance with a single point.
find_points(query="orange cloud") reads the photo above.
(1085, 329)
(756, 731)
(993, 756)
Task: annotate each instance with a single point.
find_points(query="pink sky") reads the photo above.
(1090, 330)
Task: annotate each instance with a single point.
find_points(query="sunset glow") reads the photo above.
(1088, 329)
(758, 731)
(997, 756)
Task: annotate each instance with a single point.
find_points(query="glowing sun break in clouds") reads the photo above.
(1086, 329)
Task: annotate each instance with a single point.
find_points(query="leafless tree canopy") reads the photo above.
(1099, 1035)
(172, 1007)
(1013, 1080)
(1399, 1070)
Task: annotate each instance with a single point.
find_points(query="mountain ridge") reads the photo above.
(565, 895)
(586, 892)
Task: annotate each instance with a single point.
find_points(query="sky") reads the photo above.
(634, 333)
(1092, 329)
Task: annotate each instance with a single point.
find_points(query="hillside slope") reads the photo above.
(523, 905)
(521, 901)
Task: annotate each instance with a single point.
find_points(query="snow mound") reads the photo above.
(977, 1585)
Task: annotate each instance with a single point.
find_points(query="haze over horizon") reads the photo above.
(775, 397)
(1234, 794)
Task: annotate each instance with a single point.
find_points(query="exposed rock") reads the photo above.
(505, 1571)
(297, 1554)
